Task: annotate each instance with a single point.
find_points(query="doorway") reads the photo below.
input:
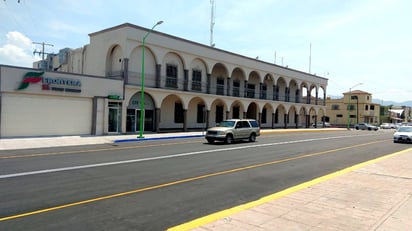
(133, 120)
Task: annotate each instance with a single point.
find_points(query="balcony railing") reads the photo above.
(134, 78)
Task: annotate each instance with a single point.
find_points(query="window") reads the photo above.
(366, 107)
(220, 86)
(236, 88)
(339, 115)
(372, 107)
(171, 76)
(201, 113)
(264, 91)
(196, 80)
(179, 115)
(351, 107)
(335, 107)
(250, 91)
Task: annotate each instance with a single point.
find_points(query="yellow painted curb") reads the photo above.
(225, 213)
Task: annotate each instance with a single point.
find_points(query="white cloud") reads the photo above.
(17, 50)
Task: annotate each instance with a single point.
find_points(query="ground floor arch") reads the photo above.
(252, 111)
(167, 111)
(133, 113)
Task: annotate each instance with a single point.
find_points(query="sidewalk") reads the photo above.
(375, 195)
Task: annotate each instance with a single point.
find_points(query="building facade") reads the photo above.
(187, 86)
(355, 107)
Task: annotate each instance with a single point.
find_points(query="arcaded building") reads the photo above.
(187, 86)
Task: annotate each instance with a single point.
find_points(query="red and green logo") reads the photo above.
(30, 77)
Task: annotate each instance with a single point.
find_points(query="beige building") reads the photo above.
(355, 107)
(187, 86)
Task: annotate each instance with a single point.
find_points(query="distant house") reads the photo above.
(354, 107)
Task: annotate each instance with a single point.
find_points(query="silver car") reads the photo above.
(366, 126)
(403, 135)
(232, 130)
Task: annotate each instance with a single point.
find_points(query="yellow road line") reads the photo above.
(225, 213)
(179, 182)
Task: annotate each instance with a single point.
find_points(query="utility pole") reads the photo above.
(42, 53)
(42, 50)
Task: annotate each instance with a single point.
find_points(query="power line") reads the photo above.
(42, 51)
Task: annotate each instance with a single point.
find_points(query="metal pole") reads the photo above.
(350, 96)
(142, 87)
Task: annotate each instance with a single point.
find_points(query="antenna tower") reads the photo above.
(212, 22)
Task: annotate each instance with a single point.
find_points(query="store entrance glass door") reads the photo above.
(133, 120)
(115, 117)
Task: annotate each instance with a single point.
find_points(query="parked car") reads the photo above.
(386, 126)
(403, 135)
(366, 126)
(320, 125)
(234, 129)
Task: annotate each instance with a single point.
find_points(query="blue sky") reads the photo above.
(352, 41)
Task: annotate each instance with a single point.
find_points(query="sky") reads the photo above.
(356, 44)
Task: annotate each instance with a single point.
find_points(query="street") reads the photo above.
(154, 185)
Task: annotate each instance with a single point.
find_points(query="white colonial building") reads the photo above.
(187, 86)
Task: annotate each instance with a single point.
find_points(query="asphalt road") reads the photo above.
(159, 184)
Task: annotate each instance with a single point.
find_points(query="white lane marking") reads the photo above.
(161, 157)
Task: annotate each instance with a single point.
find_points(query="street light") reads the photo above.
(350, 96)
(142, 87)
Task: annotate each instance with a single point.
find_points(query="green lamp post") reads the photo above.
(142, 87)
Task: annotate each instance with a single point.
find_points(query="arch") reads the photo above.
(114, 62)
(218, 111)
(302, 120)
(237, 81)
(281, 89)
(312, 116)
(253, 85)
(198, 76)
(266, 116)
(196, 113)
(304, 92)
(174, 72)
(135, 67)
(321, 96)
(280, 116)
(252, 111)
(218, 81)
(294, 91)
(267, 87)
(313, 91)
(133, 113)
(172, 112)
(237, 110)
(292, 117)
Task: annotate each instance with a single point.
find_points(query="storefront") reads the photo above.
(37, 103)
